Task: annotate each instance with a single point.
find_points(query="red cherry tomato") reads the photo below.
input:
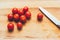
(19, 25)
(25, 9)
(15, 10)
(10, 17)
(28, 15)
(23, 18)
(20, 12)
(16, 17)
(39, 16)
(10, 27)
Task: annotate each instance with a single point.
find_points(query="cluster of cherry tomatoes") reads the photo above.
(20, 16)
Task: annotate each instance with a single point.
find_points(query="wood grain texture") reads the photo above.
(29, 3)
(33, 28)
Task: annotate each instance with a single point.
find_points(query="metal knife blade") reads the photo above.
(50, 16)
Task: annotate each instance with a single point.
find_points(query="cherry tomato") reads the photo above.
(25, 9)
(20, 12)
(10, 17)
(23, 18)
(15, 10)
(39, 16)
(10, 27)
(19, 25)
(28, 15)
(16, 17)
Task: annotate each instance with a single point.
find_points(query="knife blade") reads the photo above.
(50, 16)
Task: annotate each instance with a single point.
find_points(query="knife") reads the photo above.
(50, 16)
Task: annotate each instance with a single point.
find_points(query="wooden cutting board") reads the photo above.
(33, 28)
